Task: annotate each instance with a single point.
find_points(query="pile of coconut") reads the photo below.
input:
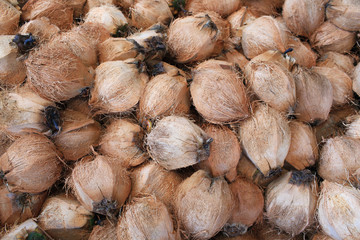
(180, 119)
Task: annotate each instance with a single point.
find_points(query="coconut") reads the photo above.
(31, 164)
(203, 205)
(356, 79)
(314, 95)
(12, 69)
(145, 218)
(99, 186)
(41, 28)
(234, 57)
(223, 27)
(339, 159)
(303, 150)
(328, 37)
(26, 229)
(145, 13)
(118, 86)
(18, 207)
(77, 5)
(5, 142)
(62, 217)
(224, 8)
(249, 204)
(176, 142)
(58, 12)
(334, 59)
(97, 3)
(344, 14)
(338, 213)
(9, 19)
(304, 17)
(218, 94)
(353, 127)
(108, 16)
(341, 84)
(123, 140)
(94, 33)
(293, 196)
(321, 236)
(301, 52)
(265, 138)
(264, 7)
(264, 33)
(79, 104)
(265, 231)
(126, 4)
(107, 230)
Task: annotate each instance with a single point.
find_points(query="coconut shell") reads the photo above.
(9, 19)
(356, 79)
(328, 37)
(314, 95)
(41, 28)
(301, 52)
(339, 159)
(203, 205)
(303, 150)
(304, 17)
(31, 164)
(265, 138)
(338, 211)
(224, 8)
(123, 140)
(176, 142)
(344, 14)
(218, 94)
(334, 59)
(353, 127)
(107, 230)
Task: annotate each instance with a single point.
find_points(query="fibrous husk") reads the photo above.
(223, 27)
(58, 12)
(118, 86)
(321, 236)
(246, 236)
(107, 15)
(334, 59)
(23, 230)
(303, 150)
(344, 14)
(234, 57)
(145, 13)
(55, 73)
(145, 218)
(290, 201)
(328, 37)
(304, 17)
(341, 84)
(314, 95)
(224, 8)
(218, 92)
(15, 208)
(249, 204)
(301, 52)
(97, 3)
(265, 231)
(41, 28)
(9, 19)
(203, 205)
(63, 217)
(94, 33)
(264, 7)
(264, 33)
(338, 213)
(176, 142)
(107, 230)
(12, 69)
(353, 126)
(356, 79)
(78, 6)
(339, 159)
(31, 164)
(123, 140)
(5, 142)
(265, 138)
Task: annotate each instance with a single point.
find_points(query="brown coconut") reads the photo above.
(265, 231)
(97, 3)
(303, 150)
(203, 205)
(12, 69)
(123, 140)
(264, 7)
(264, 33)
(265, 138)
(249, 204)
(9, 19)
(334, 59)
(41, 28)
(304, 17)
(224, 8)
(94, 33)
(341, 84)
(353, 126)
(58, 12)
(314, 95)
(217, 92)
(31, 164)
(339, 159)
(328, 37)
(344, 14)
(301, 52)
(356, 79)
(234, 57)
(5, 142)
(145, 218)
(78, 6)
(321, 236)
(107, 230)
(118, 86)
(176, 142)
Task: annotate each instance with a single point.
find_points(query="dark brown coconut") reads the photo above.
(321, 236)
(301, 52)
(224, 8)
(41, 28)
(334, 59)
(9, 19)
(344, 14)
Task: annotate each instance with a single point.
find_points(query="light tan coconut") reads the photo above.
(224, 8)
(218, 93)
(123, 140)
(303, 150)
(301, 52)
(328, 37)
(356, 79)
(344, 14)
(203, 205)
(95, 33)
(118, 86)
(338, 213)
(41, 28)
(353, 126)
(264, 7)
(334, 59)
(97, 3)
(107, 230)
(12, 69)
(265, 138)
(234, 57)
(9, 19)
(31, 164)
(223, 27)
(176, 142)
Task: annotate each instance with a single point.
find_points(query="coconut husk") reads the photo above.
(264, 7)
(356, 79)
(41, 28)
(353, 126)
(78, 6)
(321, 236)
(344, 14)
(97, 3)
(301, 52)
(107, 230)
(265, 231)
(246, 236)
(334, 59)
(79, 105)
(23, 230)
(234, 57)
(94, 33)
(9, 19)
(5, 142)
(126, 4)
(224, 8)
